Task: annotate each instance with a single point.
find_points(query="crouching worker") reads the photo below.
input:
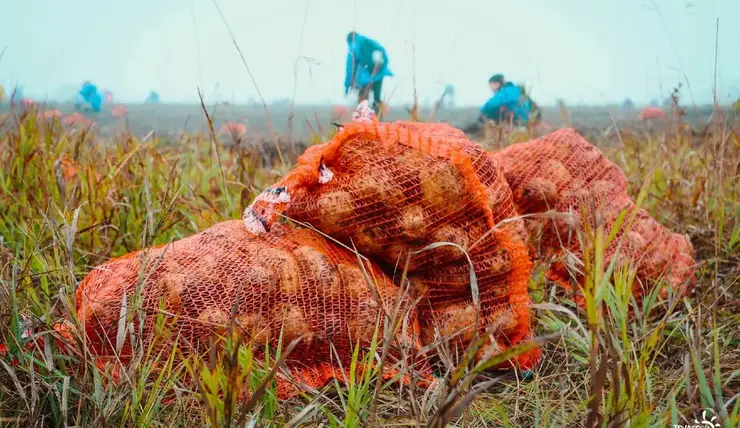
(367, 65)
(89, 98)
(509, 104)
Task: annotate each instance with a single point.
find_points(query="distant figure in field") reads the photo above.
(447, 99)
(652, 113)
(367, 65)
(18, 94)
(2, 93)
(89, 98)
(152, 98)
(509, 102)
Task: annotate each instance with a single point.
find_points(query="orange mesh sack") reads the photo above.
(288, 281)
(392, 189)
(563, 172)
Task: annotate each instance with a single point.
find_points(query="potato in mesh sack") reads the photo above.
(563, 172)
(390, 190)
(289, 281)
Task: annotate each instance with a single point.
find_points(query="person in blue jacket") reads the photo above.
(367, 65)
(90, 97)
(508, 103)
(152, 98)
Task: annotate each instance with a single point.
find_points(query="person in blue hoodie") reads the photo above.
(90, 97)
(367, 65)
(508, 103)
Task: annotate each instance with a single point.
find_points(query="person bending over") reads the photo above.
(367, 65)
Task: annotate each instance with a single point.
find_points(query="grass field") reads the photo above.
(71, 199)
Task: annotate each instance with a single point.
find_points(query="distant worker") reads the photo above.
(152, 98)
(2, 93)
(367, 65)
(509, 103)
(89, 97)
(449, 95)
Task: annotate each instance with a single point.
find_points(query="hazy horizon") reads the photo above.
(582, 52)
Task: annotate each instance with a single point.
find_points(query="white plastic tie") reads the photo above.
(325, 174)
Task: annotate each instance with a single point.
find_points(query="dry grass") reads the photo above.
(69, 201)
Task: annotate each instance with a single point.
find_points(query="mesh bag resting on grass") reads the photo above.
(288, 280)
(563, 172)
(391, 189)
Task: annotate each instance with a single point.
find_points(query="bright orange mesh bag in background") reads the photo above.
(563, 172)
(288, 281)
(391, 189)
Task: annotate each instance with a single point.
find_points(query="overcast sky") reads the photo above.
(579, 50)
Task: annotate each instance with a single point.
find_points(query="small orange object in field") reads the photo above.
(234, 129)
(655, 113)
(340, 113)
(67, 168)
(78, 119)
(120, 111)
(52, 114)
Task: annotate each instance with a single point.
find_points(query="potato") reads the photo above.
(353, 281)
(609, 214)
(457, 319)
(285, 267)
(635, 241)
(207, 265)
(498, 196)
(502, 321)
(321, 269)
(657, 259)
(367, 320)
(418, 288)
(576, 195)
(499, 326)
(367, 241)
(647, 227)
(602, 188)
(454, 235)
(335, 206)
(488, 349)
(442, 187)
(379, 186)
(538, 195)
(449, 280)
(589, 155)
(260, 278)
(291, 320)
(253, 326)
(413, 222)
(535, 228)
(496, 264)
(555, 172)
(397, 254)
(567, 226)
(215, 319)
(173, 284)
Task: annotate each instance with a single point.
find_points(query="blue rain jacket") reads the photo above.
(360, 66)
(508, 99)
(153, 98)
(90, 95)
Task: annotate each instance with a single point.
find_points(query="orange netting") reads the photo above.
(289, 281)
(391, 190)
(563, 172)
(394, 192)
